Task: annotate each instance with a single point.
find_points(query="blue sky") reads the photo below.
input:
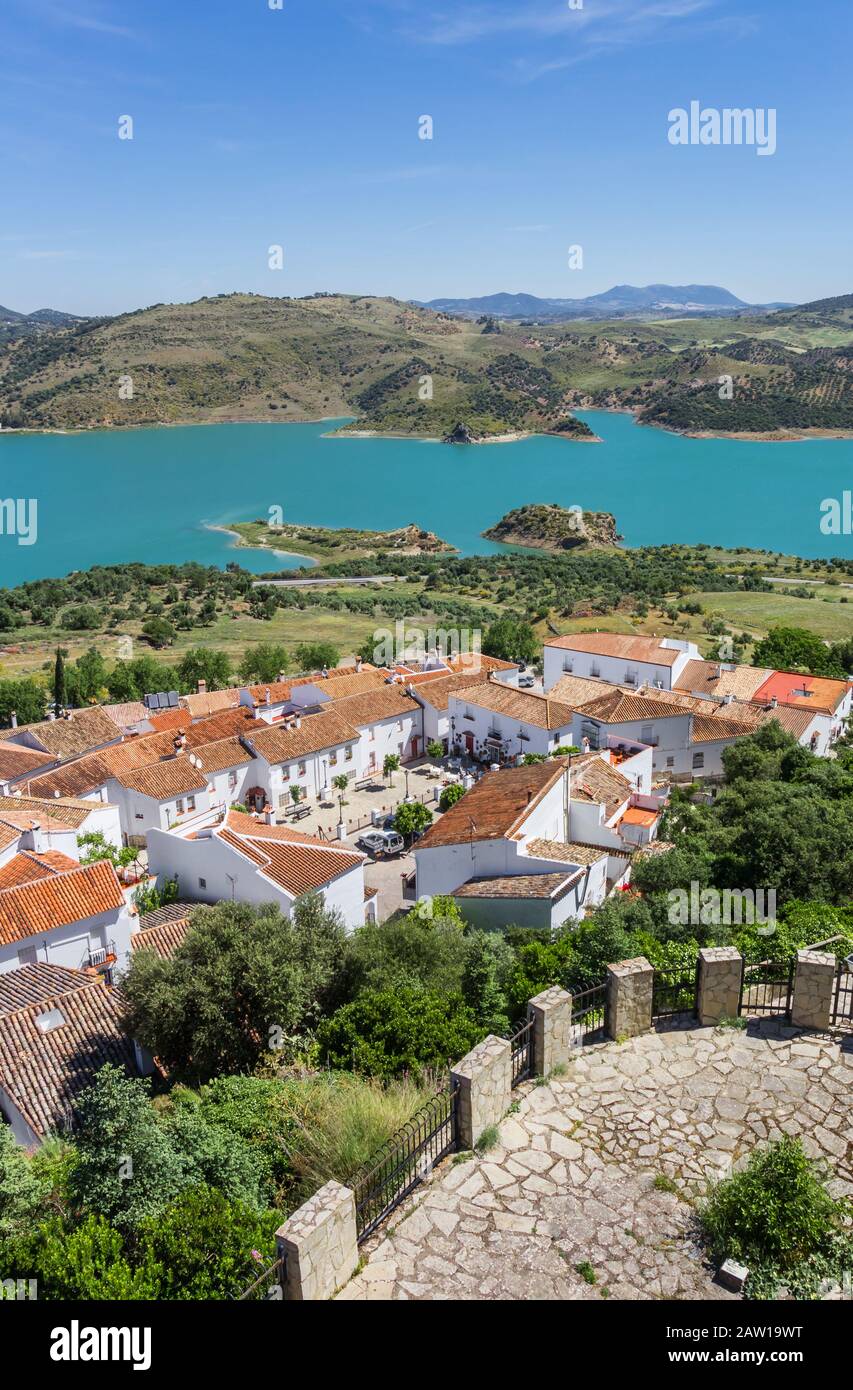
(299, 127)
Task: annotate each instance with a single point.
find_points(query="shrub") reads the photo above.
(450, 796)
(776, 1211)
(388, 1033)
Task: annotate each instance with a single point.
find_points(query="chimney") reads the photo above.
(358, 664)
(281, 678)
(180, 744)
(773, 702)
(202, 686)
(728, 699)
(325, 673)
(268, 698)
(13, 715)
(297, 723)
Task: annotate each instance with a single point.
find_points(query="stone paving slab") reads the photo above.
(571, 1181)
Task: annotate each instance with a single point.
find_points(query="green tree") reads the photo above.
(80, 618)
(90, 677)
(26, 698)
(127, 1167)
(159, 632)
(265, 661)
(450, 795)
(435, 748)
(202, 1245)
(21, 1192)
(314, 656)
(390, 765)
(412, 818)
(511, 639)
(387, 1033)
(241, 981)
(795, 648)
(60, 689)
(207, 664)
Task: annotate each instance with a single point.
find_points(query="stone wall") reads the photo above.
(552, 1030)
(814, 983)
(484, 1078)
(720, 975)
(629, 998)
(319, 1244)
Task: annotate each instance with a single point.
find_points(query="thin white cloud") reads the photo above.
(45, 255)
(92, 19)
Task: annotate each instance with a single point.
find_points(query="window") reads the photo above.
(283, 798)
(595, 671)
(202, 883)
(371, 735)
(333, 758)
(139, 816)
(286, 773)
(631, 676)
(399, 726)
(27, 955)
(190, 803)
(179, 807)
(302, 769)
(670, 762)
(232, 781)
(647, 733)
(698, 759)
(348, 753)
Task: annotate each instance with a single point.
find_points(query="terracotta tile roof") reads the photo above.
(212, 702)
(526, 706)
(577, 690)
(225, 752)
(84, 730)
(28, 867)
(715, 678)
(593, 779)
(162, 720)
(43, 1071)
(571, 853)
(163, 781)
(62, 898)
(496, 807)
(296, 862)
(621, 707)
(17, 761)
(172, 912)
(807, 692)
(223, 725)
(282, 743)
(32, 984)
(515, 886)
(9, 834)
(646, 649)
(711, 728)
(164, 938)
(124, 716)
(635, 815)
(796, 721)
(54, 812)
(385, 702)
(436, 690)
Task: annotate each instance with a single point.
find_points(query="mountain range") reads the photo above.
(622, 301)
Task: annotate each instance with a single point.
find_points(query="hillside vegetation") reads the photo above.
(396, 367)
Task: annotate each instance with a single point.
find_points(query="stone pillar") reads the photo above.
(814, 981)
(319, 1245)
(629, 998)
(484, 1078)
(720, 975)
(552, 1030)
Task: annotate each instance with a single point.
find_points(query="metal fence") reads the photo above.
(588, 1007)
(268, 1287)
(405, 1160)
(766, 989)
(841, 1015)
(520, 1039)
(674, 992)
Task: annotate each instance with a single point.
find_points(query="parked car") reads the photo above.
(526, 682)
(380, 843)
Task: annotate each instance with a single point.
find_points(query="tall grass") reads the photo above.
(347, 1120)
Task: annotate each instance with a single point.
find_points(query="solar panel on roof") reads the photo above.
(174, 699)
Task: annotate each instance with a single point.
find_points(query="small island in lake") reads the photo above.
(329, 543)
(547, 526)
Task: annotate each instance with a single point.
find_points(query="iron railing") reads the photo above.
(766, 989)
(268, 1286)
(841, 1015)
(520, 1039)
(405, 1160)
(588, 1008)
(674, 992)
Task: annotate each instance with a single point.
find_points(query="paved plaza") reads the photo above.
(568, 1194)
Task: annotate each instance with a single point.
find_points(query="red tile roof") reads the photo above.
(616, 644)
(496, 807)
(29, 866)
(74, 895)
(296, 862)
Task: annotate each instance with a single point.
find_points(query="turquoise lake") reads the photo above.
(149, 495)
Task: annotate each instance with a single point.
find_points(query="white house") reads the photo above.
(245, 860)
(498, 723)
(389, 721)
(57, 911)
(619, 659)
(306, 754)
(64, 819)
